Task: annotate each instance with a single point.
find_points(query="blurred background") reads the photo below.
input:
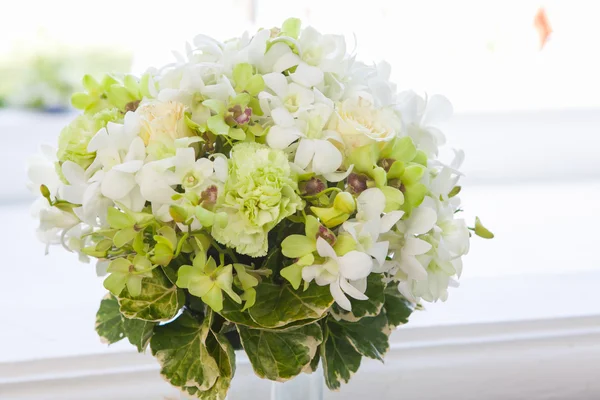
(523, 78)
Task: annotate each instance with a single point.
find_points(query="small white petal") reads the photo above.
(307, 75)
(282, 116)
(117, 184)
(371, 204)
(277, 82)
(379, 251)
(129, 167)
(338, 176)
(327, 158)
(351, 290)
(305, 153)
(354, 264)
(412, 267)
(280, 138)
(414, 246)
(421, 221)
(325, 250)
(389, 220)
(339, 297)
(73, 173)
(439, 109)
(286, 61)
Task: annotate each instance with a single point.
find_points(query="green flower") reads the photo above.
(259, 193)
(207, 281)
(74, 138)
(125, 272)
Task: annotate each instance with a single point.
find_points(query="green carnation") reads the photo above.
(260, 191)
(74, 138)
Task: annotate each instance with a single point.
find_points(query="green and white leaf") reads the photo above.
(397, 307)
(139, 332)
(222, 352)
(160, 299)
(281, 355)
(369, 336)
(180, 348)
(279, 305)
(109, 323)
(339, 357)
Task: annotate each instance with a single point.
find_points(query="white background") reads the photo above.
(529, 121)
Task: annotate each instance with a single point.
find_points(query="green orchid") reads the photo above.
(128, 273)
(247, 282)
(234, 118)
(205, 280)
(112, 91)
(344, 205)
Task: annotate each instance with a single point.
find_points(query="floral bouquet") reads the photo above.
(269, 193)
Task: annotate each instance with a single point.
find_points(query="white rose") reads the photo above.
(359, 123)
(162, 119)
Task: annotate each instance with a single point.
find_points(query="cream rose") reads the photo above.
(359, 123)
(160, 120)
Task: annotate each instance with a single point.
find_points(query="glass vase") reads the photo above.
(302, 387)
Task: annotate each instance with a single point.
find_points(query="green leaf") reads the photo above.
(159, 300)
(280, 355)
(365, 308)
(368, 336)
(280, 305)
(339, 358)
(223, 353)
(139, 332)
(109, 322)
(481, 230)
(180, 348)
(397, 307)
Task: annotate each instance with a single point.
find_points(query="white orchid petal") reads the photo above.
(389, 220)
(338, 176)
(351, 290)
(439, 109)
(379, 251)
(98, 141)
(371, 204)
(339, 296)
(117, 184)
(73, 173)
(305, 153)
(286, 61)
(415, 246)
(327, 158)
(325, 250)
(354, 264)
(280, 138)
(129, 167)
(307, 75)
(412, 267)
(282, 117)
(421, 221)
(277, 82)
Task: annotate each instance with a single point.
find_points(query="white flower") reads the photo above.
(369, 224)
(407, 246)
(315, 151)
(359, 122)
(339, 272)
(120, 154)
(447, 176)
(290, 95)
(41, 170)
(422, 116)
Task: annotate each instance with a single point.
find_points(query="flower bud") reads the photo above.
(357, 183)
(313, 186)
(344, 202)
